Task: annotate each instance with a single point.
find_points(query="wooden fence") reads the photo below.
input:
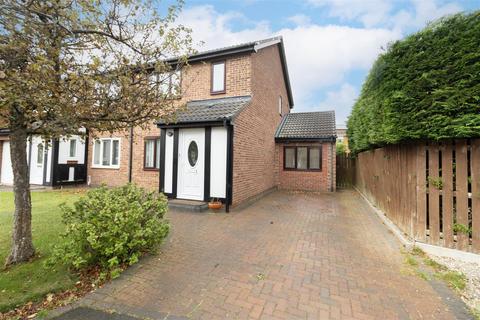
(429, 190)
(345, 173)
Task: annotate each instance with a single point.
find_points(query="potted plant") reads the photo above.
(215, 204)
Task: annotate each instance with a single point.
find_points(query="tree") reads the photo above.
(70, 64)
(425, 86)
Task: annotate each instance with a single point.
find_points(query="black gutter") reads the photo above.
(191, 124)
(286, 77)
(130, 156)
(163, 140)
(248, 48)
(175, 163)
(326, 139)
(206, 178)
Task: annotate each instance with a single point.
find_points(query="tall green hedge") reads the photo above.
(426, 86)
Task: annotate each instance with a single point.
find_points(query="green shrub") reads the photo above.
(109, 228)
(426, 86)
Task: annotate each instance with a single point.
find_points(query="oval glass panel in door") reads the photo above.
(192, 153)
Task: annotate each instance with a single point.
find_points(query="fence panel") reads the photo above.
(447, 194)
(430, 191)
(345, 173)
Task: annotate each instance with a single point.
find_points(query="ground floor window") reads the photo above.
(302, 158)
(152, 153)
(106, 153)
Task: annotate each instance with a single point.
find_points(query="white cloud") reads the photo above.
(341, 101)
(373, 13)
(424, 11)
(369, 12)
(300, 19)
(317, 56)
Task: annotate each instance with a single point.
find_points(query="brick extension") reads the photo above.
(280, 258)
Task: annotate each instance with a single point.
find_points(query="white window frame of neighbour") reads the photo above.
(170, 86)
(70, 148)
(280, 105)
(100, 157)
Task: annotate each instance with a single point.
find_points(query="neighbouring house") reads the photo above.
(51, 163)
(343, 138)
(232, 139)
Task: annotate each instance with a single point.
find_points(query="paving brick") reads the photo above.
(326, 256)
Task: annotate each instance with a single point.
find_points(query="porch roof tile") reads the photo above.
(208, 110)
(307, 125)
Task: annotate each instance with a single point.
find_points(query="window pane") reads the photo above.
(302, 158)
(149, 153)
(40, 154)
(96, 152)
(315, 158)
(157, 162)
(115, 152)
(218, 77)
(73, 148)
(290, 158)
(106, 152)
(280, 104)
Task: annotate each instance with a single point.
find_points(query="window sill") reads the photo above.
(151, 169)
(213, 93)
(303, 170)
(106, 167)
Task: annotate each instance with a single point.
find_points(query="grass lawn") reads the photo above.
(31, 281)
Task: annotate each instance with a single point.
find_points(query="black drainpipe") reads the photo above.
(228, 195)
(130, 156)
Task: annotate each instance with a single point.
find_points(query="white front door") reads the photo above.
(191, 163)
(37, 160)
(6, 173)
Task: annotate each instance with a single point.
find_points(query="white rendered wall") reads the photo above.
(168, 162)
(218, 162)
(64, 150)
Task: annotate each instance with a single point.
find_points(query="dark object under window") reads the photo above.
(302, 158)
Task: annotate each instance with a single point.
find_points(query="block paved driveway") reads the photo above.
(287, 256)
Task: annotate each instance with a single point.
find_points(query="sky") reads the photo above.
(330, 44)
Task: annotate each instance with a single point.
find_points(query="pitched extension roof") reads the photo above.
(248, 47)
(211, 110)
(307, 126)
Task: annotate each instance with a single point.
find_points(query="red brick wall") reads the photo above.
(195, 86)
(254, 128)
(307, 180)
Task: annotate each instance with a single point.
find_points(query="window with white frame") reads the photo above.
(152, 153)
(167, 84)
(106, 153)
(218, 77)
(72, 148)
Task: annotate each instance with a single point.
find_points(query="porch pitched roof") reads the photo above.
(307, 126)
(211, 110)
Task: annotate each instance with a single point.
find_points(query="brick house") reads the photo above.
(232, 138)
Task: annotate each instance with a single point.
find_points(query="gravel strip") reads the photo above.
(471, 294)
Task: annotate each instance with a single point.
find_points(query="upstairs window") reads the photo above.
(167, 84)
(106, 153)
(152, 153)
(218, 77)
(302, 158)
